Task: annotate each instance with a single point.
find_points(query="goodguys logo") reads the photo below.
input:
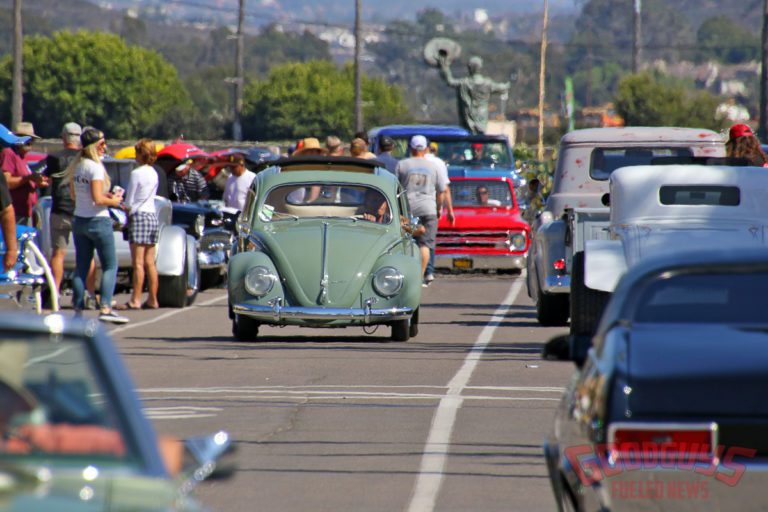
(593, 463)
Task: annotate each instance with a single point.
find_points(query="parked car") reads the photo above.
(575, 211)
(321, 244)
(663, 209)
(402, 134)
(176, 255)
(74, 436)
(667, 410)
(488, 232)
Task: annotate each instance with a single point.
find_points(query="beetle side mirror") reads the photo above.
(210, 456)
(606, 199)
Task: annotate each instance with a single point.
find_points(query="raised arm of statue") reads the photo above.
(500, 87)
(445, 72)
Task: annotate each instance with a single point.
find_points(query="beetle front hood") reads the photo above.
(344, 250)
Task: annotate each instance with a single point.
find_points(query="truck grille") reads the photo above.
(480, 239)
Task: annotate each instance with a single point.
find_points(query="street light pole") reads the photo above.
(358, 87)
(542, 69)
(237, 128)
(637, 37)
(18, 66)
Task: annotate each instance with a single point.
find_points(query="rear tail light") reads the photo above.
(692, 440)
(559, 264)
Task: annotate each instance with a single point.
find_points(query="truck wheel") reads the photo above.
(401, 330)
(586, 304)
(245, 328)
(172, 290)
(210, 278)
(552, 309)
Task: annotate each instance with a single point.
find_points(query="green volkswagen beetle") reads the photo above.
(325, 242)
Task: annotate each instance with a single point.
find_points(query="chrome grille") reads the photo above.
(457, 239)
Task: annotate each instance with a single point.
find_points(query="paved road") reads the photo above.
(339, 420)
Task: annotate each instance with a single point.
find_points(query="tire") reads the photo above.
(401, 330)
(210, 278)
(245, 328)
(552, 309)
(413, 330)
(587, 305)
(172, 290)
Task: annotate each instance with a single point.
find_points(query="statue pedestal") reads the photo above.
(508, 128)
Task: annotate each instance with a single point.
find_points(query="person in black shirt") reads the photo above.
(63, 206)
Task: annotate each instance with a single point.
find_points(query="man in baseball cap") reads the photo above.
(425, 187)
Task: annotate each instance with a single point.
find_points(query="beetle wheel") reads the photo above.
(401, 330)
(245, 328)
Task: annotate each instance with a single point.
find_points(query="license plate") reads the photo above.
(462, 263)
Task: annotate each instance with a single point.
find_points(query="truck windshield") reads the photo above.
(607, 160)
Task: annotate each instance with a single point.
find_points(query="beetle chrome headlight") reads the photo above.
(199, 225)
(517, 241)
(259, 281)
(387, 281)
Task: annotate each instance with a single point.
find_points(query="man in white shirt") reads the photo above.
(238, 183)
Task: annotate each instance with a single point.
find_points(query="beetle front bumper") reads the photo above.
(275, 312)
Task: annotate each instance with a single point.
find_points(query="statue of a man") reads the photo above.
(473, 93)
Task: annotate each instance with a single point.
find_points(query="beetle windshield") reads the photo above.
(479, 193)
(54, 402)
(464, 153)
(323, 199)
(607, 160)
(727, 298)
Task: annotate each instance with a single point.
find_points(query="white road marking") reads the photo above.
(181, 412)
(168, 314)
(438, 442)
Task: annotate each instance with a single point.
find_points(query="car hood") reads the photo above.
(697, 370)
(351, 249)
(480, 219)
(649, 240)
(67, 489)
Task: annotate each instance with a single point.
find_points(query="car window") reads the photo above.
(54, 401)
(463, 152)
(703, 298)
(607, 160)
(710, 195)
(479, 193)
(327, 200)
(250, 200)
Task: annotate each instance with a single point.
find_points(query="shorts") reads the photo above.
(429, 236)
(61, 227)
(143, 228)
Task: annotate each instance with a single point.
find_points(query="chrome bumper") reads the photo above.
(507, 261)
(557, 284)
(21, 291)
(212, 259)
(275, 312)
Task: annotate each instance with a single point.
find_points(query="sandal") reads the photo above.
(148, 306)
(127, 306)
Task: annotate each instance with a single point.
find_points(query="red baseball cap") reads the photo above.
(477, 145)
(739, 130)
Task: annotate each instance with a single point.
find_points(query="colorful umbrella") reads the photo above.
(130, 151)
(182, 150)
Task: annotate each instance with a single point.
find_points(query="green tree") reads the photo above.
(94, 79)
(722, 39)
(313, 99)
(645, 100)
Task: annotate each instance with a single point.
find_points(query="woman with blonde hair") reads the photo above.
(89, 186)
(143, 228)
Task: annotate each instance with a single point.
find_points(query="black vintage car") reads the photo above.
(668, 410)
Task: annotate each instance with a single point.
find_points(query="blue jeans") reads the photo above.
(94, 233)
(431, 264)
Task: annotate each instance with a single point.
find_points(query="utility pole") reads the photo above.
(18, 66)
(637, 37)
(358, 87)
(237, 128)
(542, 69)
(762, 129)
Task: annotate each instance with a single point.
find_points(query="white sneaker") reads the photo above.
(113, 318)
(425, 284)
(429, 278)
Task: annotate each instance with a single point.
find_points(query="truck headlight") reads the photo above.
(517, 241)
(387, 281)
(259, 281)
